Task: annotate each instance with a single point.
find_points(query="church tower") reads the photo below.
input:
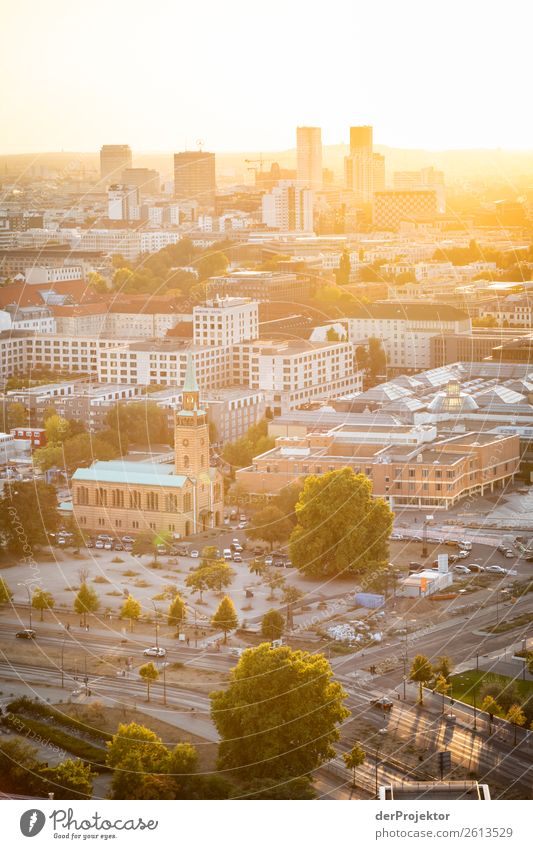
(191, 433)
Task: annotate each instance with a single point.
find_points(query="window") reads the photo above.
(187, 502)
(82, 495)
(135, 500)
(171, 504)
(117, 498)
(101, 497)
(186, 461)
(152, 501)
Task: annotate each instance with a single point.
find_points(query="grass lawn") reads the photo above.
(465, 684)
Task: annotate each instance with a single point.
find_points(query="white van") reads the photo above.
(227, 554)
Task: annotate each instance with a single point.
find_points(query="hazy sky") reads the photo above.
(240, 74)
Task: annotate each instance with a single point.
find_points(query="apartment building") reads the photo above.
(115, 320)
(262, 286)
(53, 274)
(287, 208)
(226, 321)
(434, 476)
(163, 363)
(293, 373)
(406, 330)
(513, 311)
(36, 319)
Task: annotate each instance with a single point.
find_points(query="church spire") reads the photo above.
(191, 392)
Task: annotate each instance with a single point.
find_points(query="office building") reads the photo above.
(391, 209)
(406, 330)
(364, 170)
(262, 286)
(122, 201)
(288, 208)
(114, 158)
(146, 180)
(309, 157)
(226, 321)
(426, 178)
(194, 176)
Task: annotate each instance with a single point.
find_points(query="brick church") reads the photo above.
(185, 498)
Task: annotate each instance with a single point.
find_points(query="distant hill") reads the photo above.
(498, 165)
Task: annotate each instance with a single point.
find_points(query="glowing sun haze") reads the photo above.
(241, 74)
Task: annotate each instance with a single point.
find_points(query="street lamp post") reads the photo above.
(62, 665)
(26, 587)
(382, 732)
(156, 614)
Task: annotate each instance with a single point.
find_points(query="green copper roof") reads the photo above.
(190, 384)
(130, 473)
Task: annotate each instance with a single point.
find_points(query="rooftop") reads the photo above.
(121, 471)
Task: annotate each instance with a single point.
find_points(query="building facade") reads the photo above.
(194, 176)
(309, 157)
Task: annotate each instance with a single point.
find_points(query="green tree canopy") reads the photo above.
(71, 779)
(5, 593)
(86, 601)
(28, 513)
(271, 525)
(177, 612)
(353, 759)
(341, 529)
(134, 737)
(57, 430)
(421, 672)
(149, 673)
(198, 581)
(225, 617)
(131, 609)
(42, 600)
(279, 715)
(272, 625)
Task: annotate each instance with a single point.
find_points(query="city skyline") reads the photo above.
(161, 104)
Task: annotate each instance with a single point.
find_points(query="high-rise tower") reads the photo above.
(309, 157)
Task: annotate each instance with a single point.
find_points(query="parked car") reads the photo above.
(99, 543)
(194, 553)
(161, 549)
(128, 546)
(268, 560)
(462, 555)
(118, 546)
(89, 543)
(227, 554)
(279, 564)
(462, 569)
(237, 558)
(494, 569)
(26, 634)
(509, 554)
(108, 546)
(475, 567)
(288, 564)
(243, 525)
(127, 539)
(382, 704)
(154, 651)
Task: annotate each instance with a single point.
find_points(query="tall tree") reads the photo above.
(443, 667)
(134, 737)
(42, 600)
(341, 529)
(28, 513)
(86, 601)
(442, 686)
(149, 673)
(198, 581)
(219, 575)
(274, 580)
(272, 625)
(70, 779)
(517, 718)
(353, 759)
(131, 610)
(177, 612)
(57, 430)
(279, 715)
(271, 525)
(5, 593)
(490, 706)
(225, 617)
(421, 672)
(345, 267)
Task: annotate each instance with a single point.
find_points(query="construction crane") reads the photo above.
(256, 165)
